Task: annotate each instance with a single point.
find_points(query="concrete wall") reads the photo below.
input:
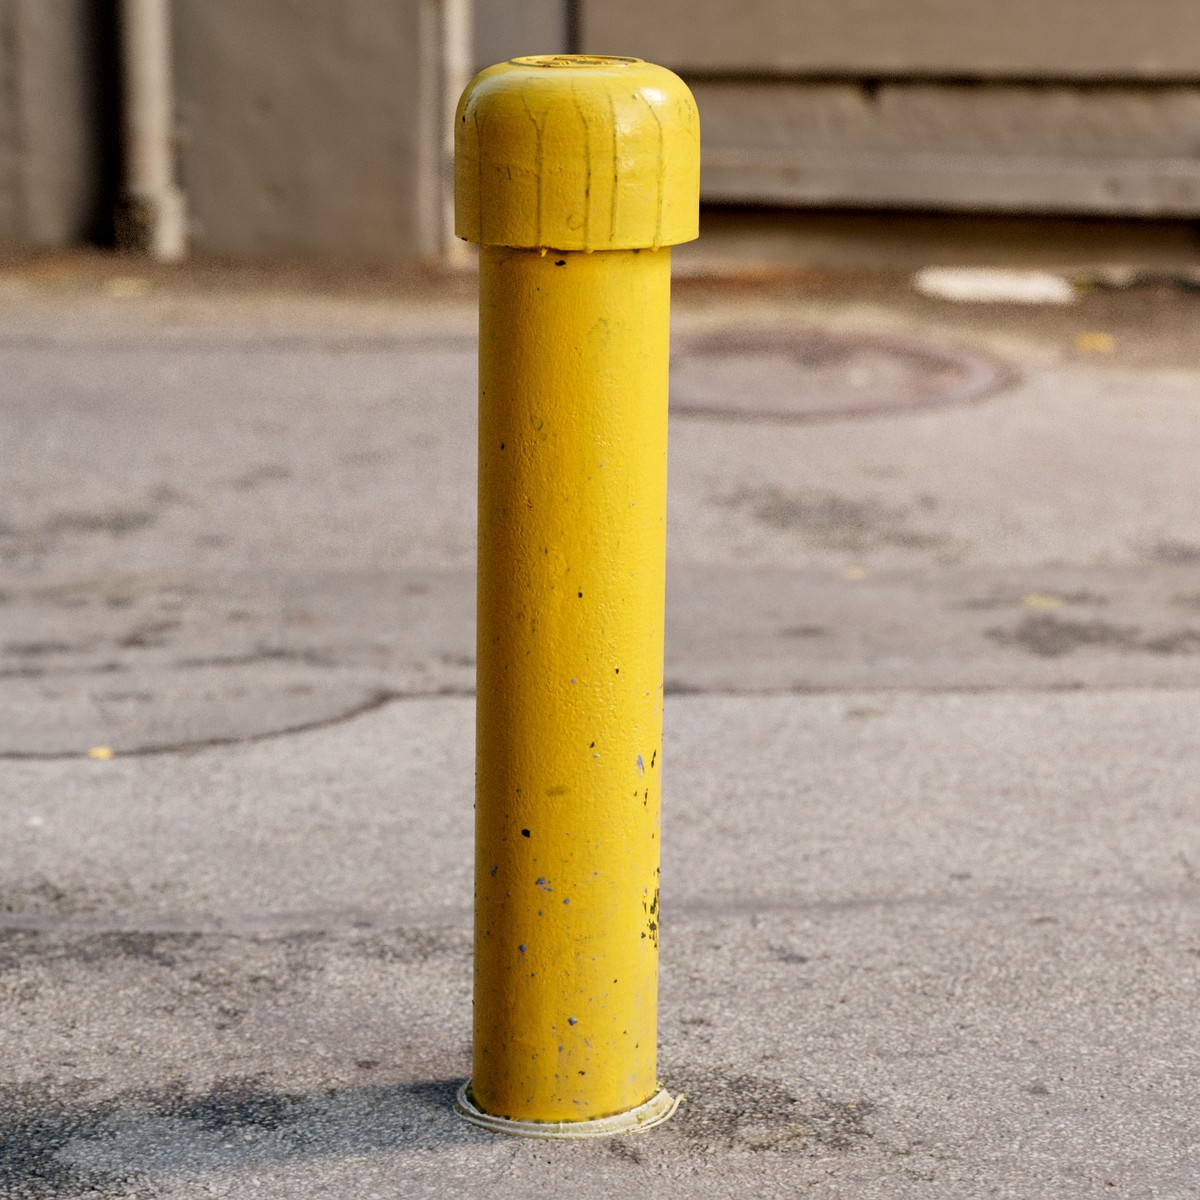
(314, 129)
(506, 29)
(322, 129)
(983, 39)
(54, 152)
(1001, 148)
(1032, 106)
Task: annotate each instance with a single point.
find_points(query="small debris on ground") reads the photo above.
(1095, 343)
(990, 285)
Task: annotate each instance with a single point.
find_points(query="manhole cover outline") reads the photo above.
(975, 376)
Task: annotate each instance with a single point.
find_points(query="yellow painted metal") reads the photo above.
(572, 496)
(577, 153)
(572, 522)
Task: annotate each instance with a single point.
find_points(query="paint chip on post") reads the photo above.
(990, 285)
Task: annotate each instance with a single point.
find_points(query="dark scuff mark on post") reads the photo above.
(651, 908)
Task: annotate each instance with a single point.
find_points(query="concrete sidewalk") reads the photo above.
(931, 902)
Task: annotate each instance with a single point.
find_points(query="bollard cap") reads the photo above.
(577, 152)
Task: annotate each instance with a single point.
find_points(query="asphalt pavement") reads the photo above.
(931, 860)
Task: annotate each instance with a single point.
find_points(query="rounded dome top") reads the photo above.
(577, 152)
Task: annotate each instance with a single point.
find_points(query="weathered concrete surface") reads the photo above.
(912, 946)
(153, 661)
(931, 905)
(226, 524)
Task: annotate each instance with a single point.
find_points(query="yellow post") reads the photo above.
(575, 174)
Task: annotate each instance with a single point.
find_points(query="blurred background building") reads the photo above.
(299, 128)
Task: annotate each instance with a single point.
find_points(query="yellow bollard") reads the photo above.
(576, 174)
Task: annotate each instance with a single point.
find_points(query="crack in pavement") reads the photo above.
(372, 704)
(672, 688)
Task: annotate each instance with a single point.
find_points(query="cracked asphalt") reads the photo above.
(931, 875)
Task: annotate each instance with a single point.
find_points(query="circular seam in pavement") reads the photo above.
(936, 374)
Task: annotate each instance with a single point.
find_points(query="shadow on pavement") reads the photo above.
(53, 1145)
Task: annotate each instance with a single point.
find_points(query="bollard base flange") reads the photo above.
(660, 1107)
